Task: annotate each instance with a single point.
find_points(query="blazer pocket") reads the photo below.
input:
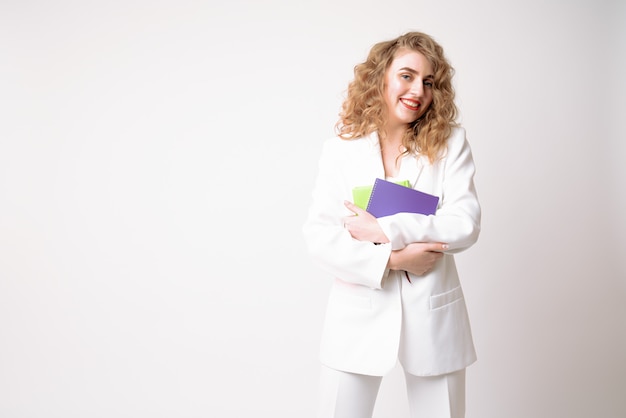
(446, 298)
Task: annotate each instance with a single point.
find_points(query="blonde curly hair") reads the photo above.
(364, 110)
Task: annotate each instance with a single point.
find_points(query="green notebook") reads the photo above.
(361, 194)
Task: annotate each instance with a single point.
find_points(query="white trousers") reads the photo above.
(350, 395)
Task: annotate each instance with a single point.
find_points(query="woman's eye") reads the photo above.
(405, 76)
(428, 83)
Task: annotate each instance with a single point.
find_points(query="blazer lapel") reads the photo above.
(372, 167)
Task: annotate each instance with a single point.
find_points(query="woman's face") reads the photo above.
(408, 88)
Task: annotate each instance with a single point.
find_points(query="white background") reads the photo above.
(156, 164)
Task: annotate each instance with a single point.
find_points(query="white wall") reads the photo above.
(156, 162)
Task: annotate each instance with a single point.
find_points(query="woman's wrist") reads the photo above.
(394, 262)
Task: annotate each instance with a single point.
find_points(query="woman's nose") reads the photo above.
(417, 88)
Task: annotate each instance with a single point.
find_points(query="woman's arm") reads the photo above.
(328, 242)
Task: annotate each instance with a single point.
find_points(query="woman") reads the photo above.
(396, 294)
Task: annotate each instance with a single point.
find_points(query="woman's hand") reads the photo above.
(417, 258)
(363, 226)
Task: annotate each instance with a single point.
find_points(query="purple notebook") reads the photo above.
(390, 198)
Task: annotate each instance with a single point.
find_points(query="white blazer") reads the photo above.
(375, 317)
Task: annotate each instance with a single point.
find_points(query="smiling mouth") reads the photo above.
(411, 104)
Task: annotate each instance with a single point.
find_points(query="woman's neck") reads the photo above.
(391, 149)
(393, 136)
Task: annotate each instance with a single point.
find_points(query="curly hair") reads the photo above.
(364, 110)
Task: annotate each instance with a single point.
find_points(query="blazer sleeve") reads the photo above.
(329, 243)
(457, 220)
